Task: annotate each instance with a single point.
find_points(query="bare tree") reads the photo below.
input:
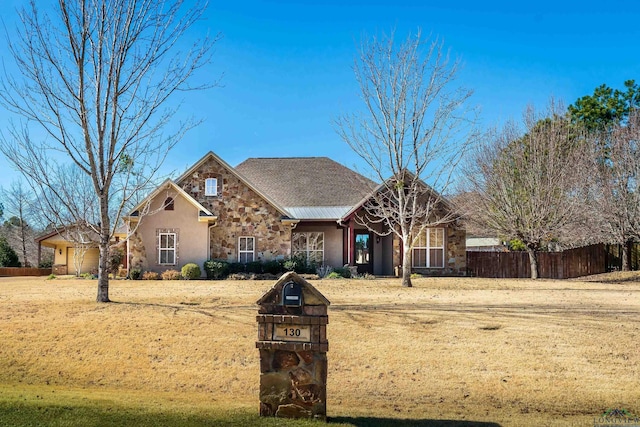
(528, 182)
(96, 78)
(618, 184)
(413, 131)
(18, 203)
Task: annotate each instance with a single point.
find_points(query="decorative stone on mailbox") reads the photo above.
(292, 339)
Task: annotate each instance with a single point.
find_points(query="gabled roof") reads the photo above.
(385, 184)
(305, 185)
(169, 184)
(238, 174)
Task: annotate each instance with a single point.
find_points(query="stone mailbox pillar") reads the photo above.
(292, 339)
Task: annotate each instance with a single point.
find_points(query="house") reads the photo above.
(274, 208)
(75, 249)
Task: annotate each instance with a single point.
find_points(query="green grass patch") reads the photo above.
(32, 408)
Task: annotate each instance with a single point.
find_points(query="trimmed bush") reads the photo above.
(343, 272)
(171, 275)
(253, 267)
(191, 271)
(273, 267)
(150, 275)
(216, 269)
(135, 274)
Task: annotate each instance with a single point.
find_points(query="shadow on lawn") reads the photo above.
(393, 422)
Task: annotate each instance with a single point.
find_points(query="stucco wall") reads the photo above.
(332, 241)
(192, 242)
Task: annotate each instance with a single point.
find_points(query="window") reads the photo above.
(167, 248)
(429, 249)
(211, 187)
(246, 246)
(168, 204)
(310, 245)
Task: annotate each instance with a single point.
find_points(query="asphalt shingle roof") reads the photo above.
(306, 181)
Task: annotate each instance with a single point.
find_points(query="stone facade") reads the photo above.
(241, 212)
(293, 373)
(455, 254)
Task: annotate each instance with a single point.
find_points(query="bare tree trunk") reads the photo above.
(406, 265)
(533, 262)
(626, 255)
(103, 263)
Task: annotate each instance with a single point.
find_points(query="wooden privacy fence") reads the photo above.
(24, 271)
(551, 265)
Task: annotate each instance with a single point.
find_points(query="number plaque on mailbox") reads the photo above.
(292, 339)
(283, 332)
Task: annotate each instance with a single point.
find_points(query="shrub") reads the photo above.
(253, 267)
(343, 272)
(216, 269)
(324, 271)
(8, 257)
(171, 275)
(46, 264)
(273, 267)
(297, 263)
(191, 271)
(333, 275)
(150, 275)
(88, 276)
(236, 267)
(135, 274)
(51, 277)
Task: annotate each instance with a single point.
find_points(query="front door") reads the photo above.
(363, 253)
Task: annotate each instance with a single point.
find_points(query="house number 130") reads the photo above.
(292, 332)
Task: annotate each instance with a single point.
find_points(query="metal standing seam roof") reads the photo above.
(318, 212)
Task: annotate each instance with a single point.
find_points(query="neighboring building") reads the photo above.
(485, 244)
(75, 249)
(273, 208)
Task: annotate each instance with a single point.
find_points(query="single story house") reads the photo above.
(275, 208)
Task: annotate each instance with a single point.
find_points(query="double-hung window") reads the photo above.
(167, 248)
(246, 249)
(428, 251)
(211, 187)
(310, 245)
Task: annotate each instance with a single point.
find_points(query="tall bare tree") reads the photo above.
(528, 182)
(618, 184)
(411, 133)
(19, 205)
(96, 76)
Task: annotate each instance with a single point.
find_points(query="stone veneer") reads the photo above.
(241, 212)
(455, 254)
(293, 374)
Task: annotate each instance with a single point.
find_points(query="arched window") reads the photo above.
(168, 204)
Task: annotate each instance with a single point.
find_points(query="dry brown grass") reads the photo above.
(514, 352)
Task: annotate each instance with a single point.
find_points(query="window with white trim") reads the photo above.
(310, 245)
(428, 251)
(211, 187)
(167, 248)
(246, 249)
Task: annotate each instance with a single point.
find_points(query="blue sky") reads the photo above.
(287, 73)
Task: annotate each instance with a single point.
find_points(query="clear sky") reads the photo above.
(287, 73)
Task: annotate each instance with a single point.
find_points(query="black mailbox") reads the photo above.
(292, 294)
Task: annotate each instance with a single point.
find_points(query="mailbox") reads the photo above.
(292, 294)
(292, 340)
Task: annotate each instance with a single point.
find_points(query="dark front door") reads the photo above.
(363, 253)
